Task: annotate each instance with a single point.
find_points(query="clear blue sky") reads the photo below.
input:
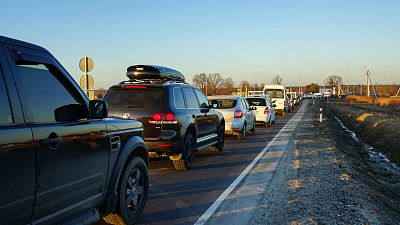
(252, 40)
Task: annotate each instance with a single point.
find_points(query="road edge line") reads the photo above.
(210, 211)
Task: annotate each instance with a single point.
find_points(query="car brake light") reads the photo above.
(157, 116)
(134, 86)
(238, 114)
(266, 110)
(163, 118)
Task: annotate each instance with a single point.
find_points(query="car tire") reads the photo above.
(186, 162)
(268, 124)
(242, 135)
(253, 130)
(133, 188)
(221, 138)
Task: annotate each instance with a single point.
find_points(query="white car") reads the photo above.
(265, 110)
(278, 94)
(239, 115)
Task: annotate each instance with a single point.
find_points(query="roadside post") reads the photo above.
(86, 81)
(320, 115)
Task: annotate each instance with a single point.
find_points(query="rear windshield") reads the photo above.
(143, 98)
(274, 93)
(256, 102)
(225, 103)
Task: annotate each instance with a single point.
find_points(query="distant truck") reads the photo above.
(278, 96)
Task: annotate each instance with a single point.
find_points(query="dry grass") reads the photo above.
(382, 101)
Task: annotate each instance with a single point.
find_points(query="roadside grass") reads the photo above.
(382, 101)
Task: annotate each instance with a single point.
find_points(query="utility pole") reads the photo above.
(368, 91)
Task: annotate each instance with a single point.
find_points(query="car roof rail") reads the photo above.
(153, 81)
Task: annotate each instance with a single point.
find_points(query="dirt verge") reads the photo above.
(377, 126)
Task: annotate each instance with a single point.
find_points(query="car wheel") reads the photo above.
(253, 130)
(221, 138)
(132, 194)
(242, 135)
(268, 124)
(186, 162)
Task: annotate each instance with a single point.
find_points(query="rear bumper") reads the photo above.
(264, 118)
(235, 126)
(164, 148)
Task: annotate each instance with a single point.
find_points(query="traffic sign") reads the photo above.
(86, 64)
(82, 82)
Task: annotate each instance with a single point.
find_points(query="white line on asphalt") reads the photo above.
(210, 211)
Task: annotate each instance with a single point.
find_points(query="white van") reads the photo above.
(278, 95)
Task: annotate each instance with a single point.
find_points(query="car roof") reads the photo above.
(224, 97)
(156, 84)
(12, 41)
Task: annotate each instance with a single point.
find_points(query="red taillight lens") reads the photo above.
(169, 116)
(238, 114)
(157, 116)
(266, 110)
(163, 118)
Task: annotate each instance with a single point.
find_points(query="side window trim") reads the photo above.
(184, 99)
(197, 96)
(4, 90)
(34, 59)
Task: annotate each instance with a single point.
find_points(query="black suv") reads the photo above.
(61, 161)
(177, 118)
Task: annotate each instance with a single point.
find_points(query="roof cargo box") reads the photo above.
(140, 72)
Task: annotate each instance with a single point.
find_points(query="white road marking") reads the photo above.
(211, 210)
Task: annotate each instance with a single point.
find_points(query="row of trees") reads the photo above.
(215, 84)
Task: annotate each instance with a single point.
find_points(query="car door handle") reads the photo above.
(53, 141)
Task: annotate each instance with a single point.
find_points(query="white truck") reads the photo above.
(278, 95)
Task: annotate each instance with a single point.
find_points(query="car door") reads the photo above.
(17, 158)
(72, 156)
(249, 114)
(193, 111)
(211, 117)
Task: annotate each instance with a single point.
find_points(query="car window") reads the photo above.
(191, 100)
(5, 111)
(226, 103)
(44, 93)
(256, 101)
(274, 93)
(136, 97)
(203, 101)
(178, 98)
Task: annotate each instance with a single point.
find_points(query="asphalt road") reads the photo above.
(183, 197)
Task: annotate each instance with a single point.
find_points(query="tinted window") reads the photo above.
(274, 93)
(136, 97)
(178, 98)
(5, 112)
(190, 97)
(203, 101)
(43, 92)
(226, 103)
(245, 105)
(256, 101)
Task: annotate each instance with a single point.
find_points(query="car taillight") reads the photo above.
(163, 118)
(266, 110)
(237, 114)
(134, 86)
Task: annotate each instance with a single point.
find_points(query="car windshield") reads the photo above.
(274, 93)
(136, 97)
(256, 101)
(225, 103)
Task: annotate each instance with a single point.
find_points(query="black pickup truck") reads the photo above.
(61, 160)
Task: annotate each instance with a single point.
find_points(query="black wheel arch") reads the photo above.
(135, 147)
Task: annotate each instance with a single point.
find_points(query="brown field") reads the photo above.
(382, 101)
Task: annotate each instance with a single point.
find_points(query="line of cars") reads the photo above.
(66, 159)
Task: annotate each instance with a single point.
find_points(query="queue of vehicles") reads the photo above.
(79, 160)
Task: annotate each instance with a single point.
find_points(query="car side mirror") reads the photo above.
(253, 108)
(98, 109)
(71, 112)
(273, 105)
(273, 101)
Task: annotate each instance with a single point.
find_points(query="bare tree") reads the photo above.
(244, 85)
(333, 80)
(215, 82)
(201, 81)
(228, 85)
(277, 80)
